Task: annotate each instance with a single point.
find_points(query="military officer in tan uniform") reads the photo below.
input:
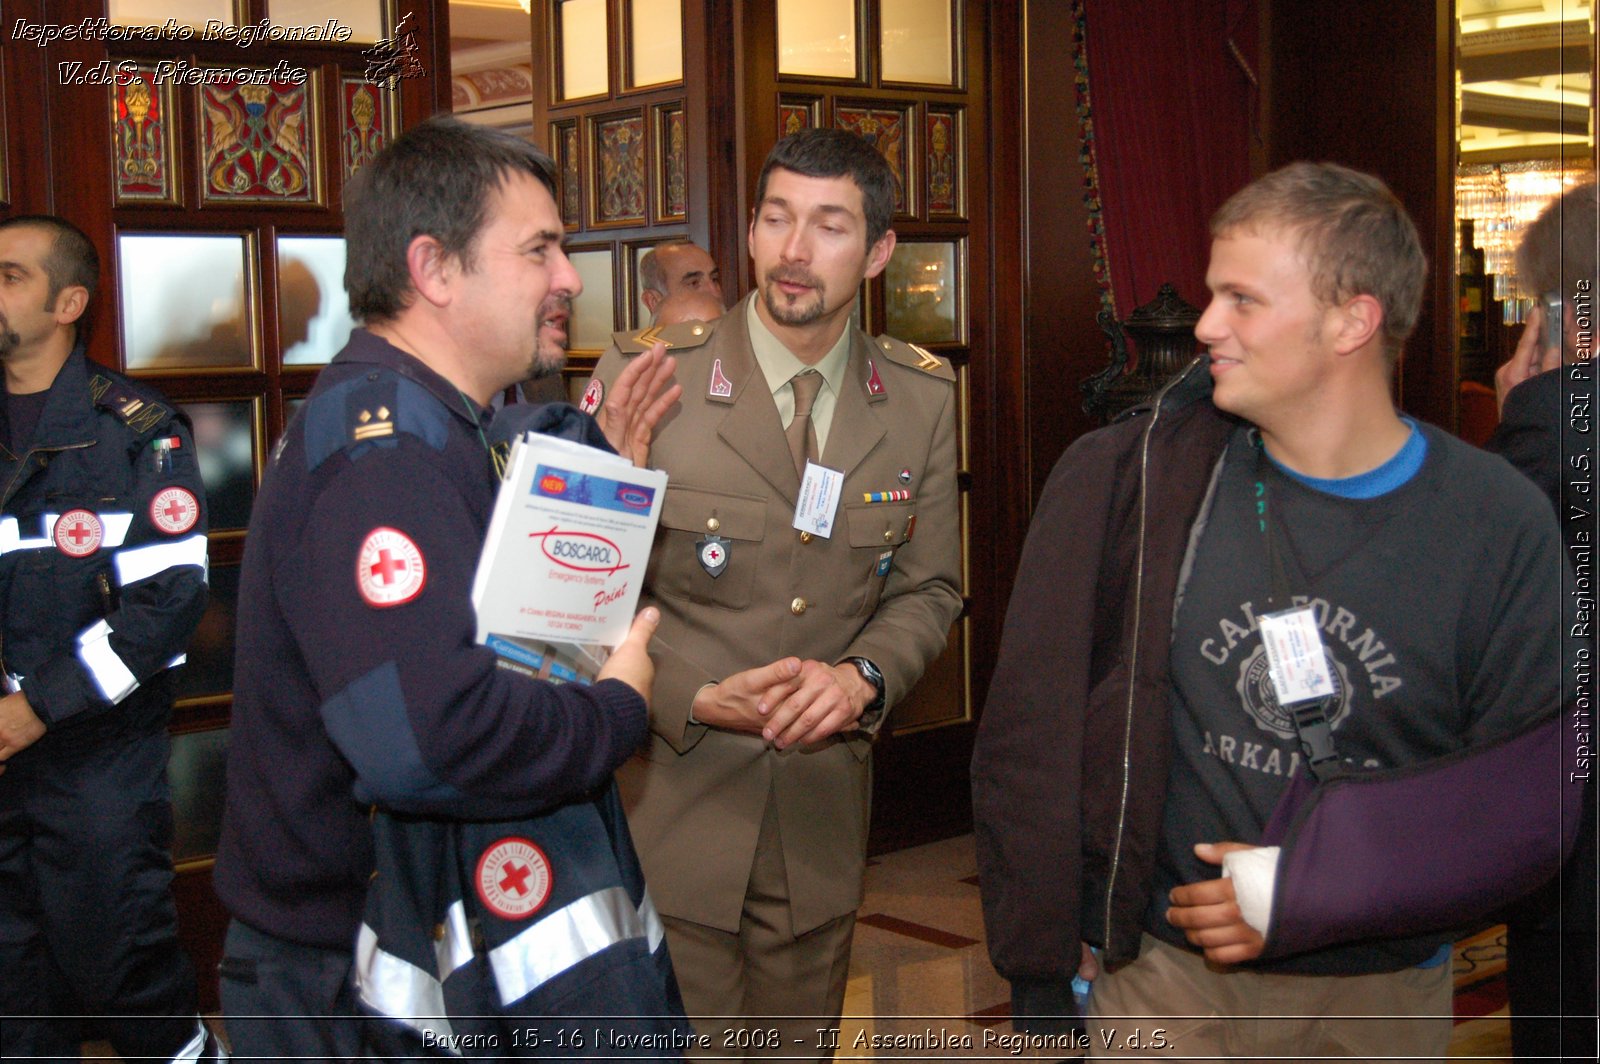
(781, 648)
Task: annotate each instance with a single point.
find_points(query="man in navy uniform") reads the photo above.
(102, 581)
(359, 679)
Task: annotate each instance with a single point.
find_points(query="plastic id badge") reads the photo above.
(819, 500)
(1296, 661)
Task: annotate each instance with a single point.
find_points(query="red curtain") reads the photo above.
(1174, 113)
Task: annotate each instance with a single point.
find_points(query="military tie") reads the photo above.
(801, 432)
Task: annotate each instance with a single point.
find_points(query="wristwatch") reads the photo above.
(873, 714)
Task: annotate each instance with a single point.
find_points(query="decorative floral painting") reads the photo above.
(944, 162)
(674, 164)
(571, 179)
(619, 148)
(141, 138)
(793, 117)
(885, 130)
(256, 142)
(366, 118)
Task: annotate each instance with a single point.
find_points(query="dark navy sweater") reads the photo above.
(358, 678)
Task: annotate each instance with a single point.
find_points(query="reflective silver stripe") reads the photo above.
(455, 948)
(114, 678)
(138, 563)
(11, 535)
(401, 991)
(566, 937)
(195, 1046)
(175, 662)
(113, 530)
(652, 922)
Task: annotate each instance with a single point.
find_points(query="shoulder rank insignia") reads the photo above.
(914, 357)
(926, 360)
(685, 334)
(140, 415)
(372, 424)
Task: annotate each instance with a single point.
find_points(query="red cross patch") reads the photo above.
(592, 396)
(174, 510)
(513, 878)
(78, 533)
(389, 570)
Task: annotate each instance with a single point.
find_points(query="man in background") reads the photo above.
(1547, 391)
(102, 582)
(688, 305)
(677, 266)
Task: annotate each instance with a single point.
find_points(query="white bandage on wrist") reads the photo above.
(1255, 874)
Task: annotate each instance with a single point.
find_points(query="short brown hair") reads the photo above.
(1353, 234)
(71, 261)
(437, 179)
(1559, 248)
(838, 153)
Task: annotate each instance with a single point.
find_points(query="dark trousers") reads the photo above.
(88, 929)
(285, 1000)
(1551, 946)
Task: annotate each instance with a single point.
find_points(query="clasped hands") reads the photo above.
(787, 702)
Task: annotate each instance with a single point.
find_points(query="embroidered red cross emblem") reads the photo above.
(174, 511)
(79, 532)
(513, 878)
(387, 566)
(516, 878)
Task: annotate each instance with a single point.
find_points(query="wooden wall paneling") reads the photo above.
(1323, 65)
(758, 118)
(1060, 293)
(713, 105)
(705, 95)
(79, 131)
(423, 97)
(23, 82)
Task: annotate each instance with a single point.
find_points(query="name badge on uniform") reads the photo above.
(1296, 661)
(819, 500)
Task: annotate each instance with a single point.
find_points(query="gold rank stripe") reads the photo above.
(374, 431)
(926, 361)
(652, 336)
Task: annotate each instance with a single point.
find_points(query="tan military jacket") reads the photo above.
(884, 586)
